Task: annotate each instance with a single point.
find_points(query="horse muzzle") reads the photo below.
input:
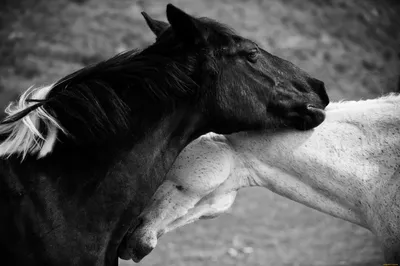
(306, 118)
(139, 243)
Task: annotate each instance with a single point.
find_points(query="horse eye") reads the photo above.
(252, 55)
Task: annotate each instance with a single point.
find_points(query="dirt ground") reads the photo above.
(351, 45)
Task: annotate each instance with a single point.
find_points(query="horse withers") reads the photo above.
(347, 167)
(82, 157)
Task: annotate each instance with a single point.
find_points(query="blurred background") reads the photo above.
(352, 45)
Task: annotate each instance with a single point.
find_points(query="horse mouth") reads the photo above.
(314, 108)
(319, 113)
(124, 251)
(307, 117)
(137, 243)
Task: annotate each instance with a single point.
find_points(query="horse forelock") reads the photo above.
(219, 30)
(23, 133)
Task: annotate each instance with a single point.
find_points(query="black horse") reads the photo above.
(81, 158)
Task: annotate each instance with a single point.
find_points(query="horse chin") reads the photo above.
(123, 252)
(307, 118)
(137, 244)
(318, 115)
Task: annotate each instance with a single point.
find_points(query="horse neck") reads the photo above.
(139, 172)
(335, 168)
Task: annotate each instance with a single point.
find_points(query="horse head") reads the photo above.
(242, 86)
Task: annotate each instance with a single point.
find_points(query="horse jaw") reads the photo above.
(172, 208)
(166, 205)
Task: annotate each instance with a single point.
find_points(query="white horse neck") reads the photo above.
(340, 168)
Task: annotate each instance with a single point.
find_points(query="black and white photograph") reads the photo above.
(200, 132)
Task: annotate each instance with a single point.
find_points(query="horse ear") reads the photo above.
(184, 25)
(156, 26)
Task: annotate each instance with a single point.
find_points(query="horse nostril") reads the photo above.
(319, 88)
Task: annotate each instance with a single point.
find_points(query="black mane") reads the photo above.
(96, 101)
(109, 97)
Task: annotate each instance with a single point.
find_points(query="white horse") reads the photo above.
(347, 167)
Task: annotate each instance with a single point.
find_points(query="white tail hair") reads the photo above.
(23, 135)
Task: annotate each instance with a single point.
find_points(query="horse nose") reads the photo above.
(142, 241)
(142, 248)
(319, 88)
